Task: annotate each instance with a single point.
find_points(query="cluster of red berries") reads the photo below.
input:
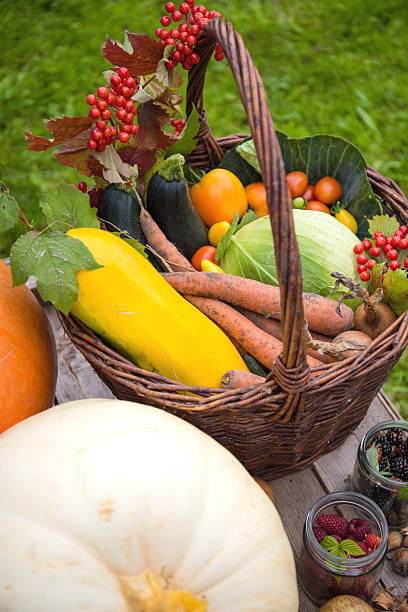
(388, 247)
(178, 125)
(112, 103)
(339, 528)
(185, 36)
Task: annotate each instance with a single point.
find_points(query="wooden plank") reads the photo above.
(76, 378)
(334, 469)
(294, 496)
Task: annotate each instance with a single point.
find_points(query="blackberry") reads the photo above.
(399, 450)
(383, 464)
(382, 498)
(406, 447)
(398, 466)
(385, 445)
(395, 435)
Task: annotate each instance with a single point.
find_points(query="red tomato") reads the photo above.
(328, 190)
(205, 252)
(297, 182)
(309, 193)
(319, 206)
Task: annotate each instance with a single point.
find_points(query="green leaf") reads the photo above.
(68, 207)
(138, 246)
(193, 175)
(325, 155)
(395, 287)
(248, 217)
(372, 455)
(225, 240)
(330, 544)
(8, 211)
(341, 553)
(351, 547)
(383, 223)
(403, 492)
(376, 277)
(235, 162)
(53, 259)
(187, 140)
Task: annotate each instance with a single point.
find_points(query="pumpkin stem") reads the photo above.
(171, 169)
(148, 592)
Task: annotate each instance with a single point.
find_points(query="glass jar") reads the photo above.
(383, 490)
(324, 575)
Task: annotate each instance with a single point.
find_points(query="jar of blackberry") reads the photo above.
(345, 539)
(381, 470)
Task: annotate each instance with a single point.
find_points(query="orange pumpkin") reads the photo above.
(28, 355)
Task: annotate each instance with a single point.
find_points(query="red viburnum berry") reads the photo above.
(184, 8)
(94, 113)
(362, 259)
(102, 105)
(194, 29)
(183, 27)
(129, 106)
(403, 245)
(333, 524)
(121, 114)
(120, 101)
(134, 129)
(387, 247)
(125, 127)
(91, 99)
(365, 276)
(366, 244)
(169, 6)
(361, 268)
(406, 263)
(371, 263)
(394, 265)
(82, 186)
(395, 241)
(91, 144)
(115, 80)
(375, 251)
(165, 21)
(111, 99)
(404, 229)
(102, 92)
(123, 136)
(114, 130)
(358, 248)
(106, 114)
(174, 33)
(101, 124)
(380, 241)
(176, 16)
(392, 254)
(123, 72)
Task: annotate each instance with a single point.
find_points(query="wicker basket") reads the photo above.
(291, 420)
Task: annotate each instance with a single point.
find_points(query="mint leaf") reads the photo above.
(68, 207)
(395, 287)
(187, 140)
(351, 547)
(340, 553)
(225, 240)
(53, 259)
(330, 544)
(403, 492)
(373, 455)
(8, 211)
(383, 223)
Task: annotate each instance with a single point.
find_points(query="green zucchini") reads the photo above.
(168, 201)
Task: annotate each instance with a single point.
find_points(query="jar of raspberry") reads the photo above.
(381, 470)
(345, 538)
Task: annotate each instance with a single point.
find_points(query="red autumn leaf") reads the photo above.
(75, 159)
(151, 118)
(144, 159)
(62, 129)
(146, 54)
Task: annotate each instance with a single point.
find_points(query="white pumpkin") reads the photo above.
(112, 506)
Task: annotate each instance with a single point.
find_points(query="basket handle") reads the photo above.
(291, 371)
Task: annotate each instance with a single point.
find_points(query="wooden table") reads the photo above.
(295, 493)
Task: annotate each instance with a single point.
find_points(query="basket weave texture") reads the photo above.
(292, 419)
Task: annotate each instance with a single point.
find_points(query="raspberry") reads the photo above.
(333, 524)
(319, 534)
(372, 541)
(358, 529)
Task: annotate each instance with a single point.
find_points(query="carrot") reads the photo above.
(273, 327)
(320, 312)
(264, 347)
(235, 379)
(159, 243)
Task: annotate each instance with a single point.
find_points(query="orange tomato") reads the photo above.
(256, 195)
(309, 193)
(319, 206)
(297, 182)
(328, 190)
(204, 252)
(218, 196)
(28, 355)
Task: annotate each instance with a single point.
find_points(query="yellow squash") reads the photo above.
(130, 305)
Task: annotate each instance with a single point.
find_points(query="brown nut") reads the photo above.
(400, 562)
(405, 541)
(394, 540)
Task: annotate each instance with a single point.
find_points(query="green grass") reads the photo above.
(329, 66)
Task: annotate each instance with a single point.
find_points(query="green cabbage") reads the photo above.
(325, 246)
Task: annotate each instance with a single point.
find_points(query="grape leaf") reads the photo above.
(146, 54)
(187, 140)
(403, 492)
(8, 211)
(372, 455)
(53, 259)
(383, 223)
(63, 129)
(395, 287)
(376, 277)
(68, 207)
